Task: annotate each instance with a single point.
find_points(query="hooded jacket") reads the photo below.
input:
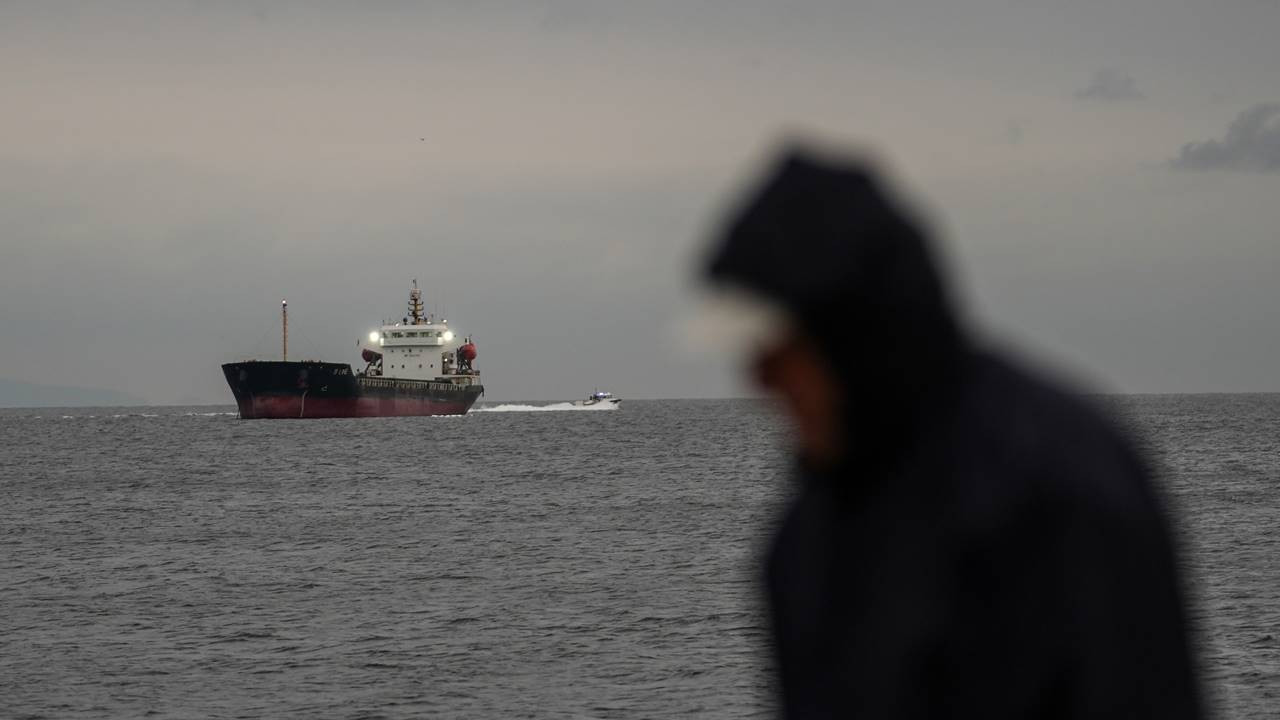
(989, 546)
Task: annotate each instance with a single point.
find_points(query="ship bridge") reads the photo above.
(420, 348)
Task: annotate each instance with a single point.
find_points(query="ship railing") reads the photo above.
(409, 385)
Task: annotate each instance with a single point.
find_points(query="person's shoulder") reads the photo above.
(1049, 443)
(1012, 395)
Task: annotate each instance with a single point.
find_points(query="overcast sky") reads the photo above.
(1105, 178)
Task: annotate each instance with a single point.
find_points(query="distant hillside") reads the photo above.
(20, 394)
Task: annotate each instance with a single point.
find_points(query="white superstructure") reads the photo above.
(420, 348)
(599, 398)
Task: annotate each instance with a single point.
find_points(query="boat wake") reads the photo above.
(553, 407)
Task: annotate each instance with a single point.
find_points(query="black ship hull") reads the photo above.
(276, 389)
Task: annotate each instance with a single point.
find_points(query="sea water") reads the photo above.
(523, 561)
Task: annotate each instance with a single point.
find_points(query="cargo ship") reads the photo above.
(418, 366)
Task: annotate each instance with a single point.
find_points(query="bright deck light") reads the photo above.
(373, 336)
(448, 335)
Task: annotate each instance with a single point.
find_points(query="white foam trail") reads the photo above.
(553, 407)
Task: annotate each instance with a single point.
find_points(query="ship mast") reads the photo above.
(284, 330)
(415, 305)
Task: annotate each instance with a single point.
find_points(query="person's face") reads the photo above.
(798, 373)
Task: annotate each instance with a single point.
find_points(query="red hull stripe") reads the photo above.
(295, 406)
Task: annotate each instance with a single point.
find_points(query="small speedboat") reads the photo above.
(599, 398)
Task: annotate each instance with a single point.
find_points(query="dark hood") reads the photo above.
(821, 239)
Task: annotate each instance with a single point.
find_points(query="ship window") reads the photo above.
(411, 334)
(419, 366)
(396, 334)
(439, 334)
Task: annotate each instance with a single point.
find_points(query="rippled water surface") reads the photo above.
(181, 562)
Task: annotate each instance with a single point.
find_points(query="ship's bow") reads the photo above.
(291, 389)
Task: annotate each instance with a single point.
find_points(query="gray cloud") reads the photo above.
(1252, 144)
(1110, 85)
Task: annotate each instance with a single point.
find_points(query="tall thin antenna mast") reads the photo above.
(284, 330)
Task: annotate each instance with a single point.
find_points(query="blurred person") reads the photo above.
(968, 539)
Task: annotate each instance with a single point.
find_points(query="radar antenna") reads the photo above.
(415, 305)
